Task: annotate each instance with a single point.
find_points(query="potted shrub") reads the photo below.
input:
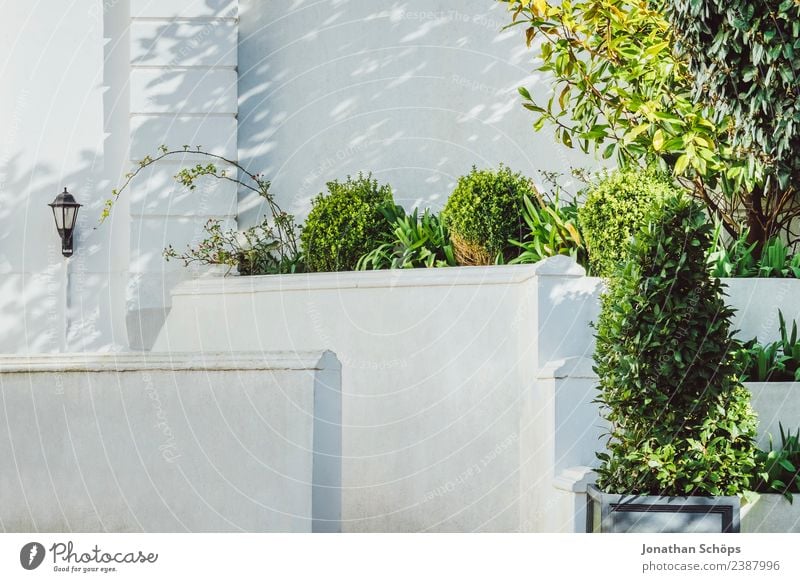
(680, 448)
(484, 213)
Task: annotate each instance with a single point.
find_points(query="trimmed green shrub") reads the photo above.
(484, 212)
(345, 224)
(614, 210)
(681, 422)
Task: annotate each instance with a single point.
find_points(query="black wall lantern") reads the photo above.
(65, 211)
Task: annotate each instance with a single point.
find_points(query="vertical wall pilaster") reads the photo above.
(183, 91)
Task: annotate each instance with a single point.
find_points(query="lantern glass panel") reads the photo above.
(70, 213)
(58, 214)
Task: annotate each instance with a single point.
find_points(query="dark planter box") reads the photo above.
(611, 513)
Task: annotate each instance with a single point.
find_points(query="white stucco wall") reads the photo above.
(171, 443)
(415, 91)
(183, 80)
(63, 114)
(437, 370)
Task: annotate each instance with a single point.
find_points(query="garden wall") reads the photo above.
(466, 391)
(171, 443)
(436, 366)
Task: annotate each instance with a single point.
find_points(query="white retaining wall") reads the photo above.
(436, 366)
(171, 442)
(466, 392)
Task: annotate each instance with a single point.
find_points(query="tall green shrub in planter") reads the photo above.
(681, 422)
(614, 210)
(484, 212)
(345, 224)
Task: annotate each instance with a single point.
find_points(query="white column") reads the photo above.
(183, 92)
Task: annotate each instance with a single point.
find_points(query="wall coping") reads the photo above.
(580, 367)
(170, 361)
(574, 367)
(575, 479)
(560, 266)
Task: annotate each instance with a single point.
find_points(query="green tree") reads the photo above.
(743, 54)
(622, 89)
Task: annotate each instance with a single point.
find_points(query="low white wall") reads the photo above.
(171, 442)
(466, 391)
(564, 431)
(436, 367)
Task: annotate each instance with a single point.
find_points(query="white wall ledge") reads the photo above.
(575, 479)
(139, 66)
(210, 361)
(185, 18)
(576, 367)
(390, 278)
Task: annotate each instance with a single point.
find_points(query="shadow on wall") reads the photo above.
(415, 91)
(48, 303)
(183, 93)
(64, 120)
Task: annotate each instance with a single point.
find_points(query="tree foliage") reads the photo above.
(622, 89)
(743, 55)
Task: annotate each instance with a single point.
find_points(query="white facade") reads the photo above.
(466, 393)
(63, 122)
(304, 92)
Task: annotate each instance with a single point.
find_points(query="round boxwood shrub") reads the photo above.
(484, 212)
(681, 422)
(345, 224)
(614, 209)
